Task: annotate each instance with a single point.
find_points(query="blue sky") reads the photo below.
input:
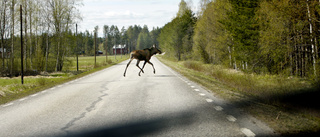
(153, 13)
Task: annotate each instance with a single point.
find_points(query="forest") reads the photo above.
(255, 36)
(50, 36)
(278, 37)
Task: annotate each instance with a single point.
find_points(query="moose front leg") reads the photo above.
(142, 67)
(139, 67)
(154, 70)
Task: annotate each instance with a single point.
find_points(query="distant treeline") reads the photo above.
(49, 33)
(261, 36)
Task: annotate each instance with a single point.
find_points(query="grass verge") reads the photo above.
(12, 89)
(286, 104)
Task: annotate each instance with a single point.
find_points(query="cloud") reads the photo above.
(153, 13)
(122, 14)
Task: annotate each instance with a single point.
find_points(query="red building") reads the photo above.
(120, 49)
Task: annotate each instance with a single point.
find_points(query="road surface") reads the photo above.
(107, 104)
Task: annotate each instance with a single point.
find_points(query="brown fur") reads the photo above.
(145, 55)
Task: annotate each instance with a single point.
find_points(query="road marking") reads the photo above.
(23, 99)
(59, 86)
(34, 95)
(6, 105)
(192, 86)
(44, 91)
(247, 132)
(218, 108)
(209, 100)
(53, 88)
(231, 118)
(201, 94)
(196, 90)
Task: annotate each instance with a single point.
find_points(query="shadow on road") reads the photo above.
(301, 102)
(140, 127)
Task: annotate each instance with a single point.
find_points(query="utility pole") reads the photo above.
(95, 51)
(77, 51)
(21, 44)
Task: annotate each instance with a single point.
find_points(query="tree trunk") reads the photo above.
(2, 35)
(25, 34)
(47, 50)
(312, 44)
(30, 39)
(12, 41)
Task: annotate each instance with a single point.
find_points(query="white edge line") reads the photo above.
(23, 99)
(231, 118)
(247, 132)
(6, 105)
(34, 95)
(201, 94)
(218, 108)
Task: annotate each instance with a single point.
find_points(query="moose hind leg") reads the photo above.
(124, 74)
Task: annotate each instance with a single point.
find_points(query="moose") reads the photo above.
(145, 55)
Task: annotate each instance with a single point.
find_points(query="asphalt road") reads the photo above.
(107, 104)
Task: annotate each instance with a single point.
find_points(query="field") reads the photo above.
(11, 88)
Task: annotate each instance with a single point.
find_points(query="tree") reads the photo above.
(106, 34)
(212, 42)
(243, 27)
(154, 34)
(144, 39)
(62, 13)
(176, 36)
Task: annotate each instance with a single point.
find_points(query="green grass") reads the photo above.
(12, 89)
(286, 104)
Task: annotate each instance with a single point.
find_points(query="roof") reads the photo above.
(119, 46)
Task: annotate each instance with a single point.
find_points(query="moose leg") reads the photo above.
(124, 74)
(154, 70)
(139, 67)
(143, 67)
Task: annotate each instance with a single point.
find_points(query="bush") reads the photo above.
(41, 81)
(193, 65)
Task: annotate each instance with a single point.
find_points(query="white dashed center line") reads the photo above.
(209, 100)
(196, 90)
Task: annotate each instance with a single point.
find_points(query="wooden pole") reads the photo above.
(95, 51)
(77, 51)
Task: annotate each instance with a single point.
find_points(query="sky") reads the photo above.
(153, 13)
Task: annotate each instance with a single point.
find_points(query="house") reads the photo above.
(120, 49)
